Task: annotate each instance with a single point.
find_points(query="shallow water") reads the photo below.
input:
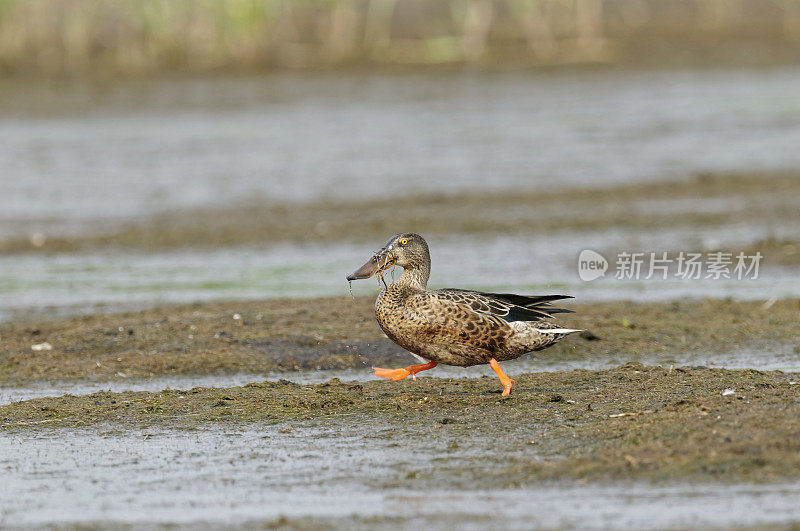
(76, 158)
(340, 474)
(80, 158)
(75, 154)
(46, 286)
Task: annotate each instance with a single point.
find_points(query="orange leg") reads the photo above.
(505, 380)
(398, 374)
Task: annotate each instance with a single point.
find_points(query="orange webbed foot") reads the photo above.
(392, 374)
(399, 374)
(508, 383)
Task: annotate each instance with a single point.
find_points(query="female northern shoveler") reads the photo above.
(454, 326)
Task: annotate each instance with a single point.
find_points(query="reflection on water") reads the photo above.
(71, 155)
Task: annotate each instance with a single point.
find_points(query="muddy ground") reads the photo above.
(630, 422)
(341, 333)
(634, 421)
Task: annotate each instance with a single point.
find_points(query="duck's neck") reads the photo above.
(415, 278)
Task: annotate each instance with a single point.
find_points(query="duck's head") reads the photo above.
(408, 250)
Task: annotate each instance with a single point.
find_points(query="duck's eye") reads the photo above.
(403, 241)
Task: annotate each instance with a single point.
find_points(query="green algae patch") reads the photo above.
(633, 421)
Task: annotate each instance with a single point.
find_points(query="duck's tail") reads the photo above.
(531, 336)
(557, 330)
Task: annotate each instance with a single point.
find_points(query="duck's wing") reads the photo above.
(508, 306)
(446, 321)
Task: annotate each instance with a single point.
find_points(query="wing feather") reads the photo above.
(508, 306)
(451, 321)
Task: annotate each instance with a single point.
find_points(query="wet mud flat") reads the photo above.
(340, 333)
(648, 445)
(331, 473)
(630, 422)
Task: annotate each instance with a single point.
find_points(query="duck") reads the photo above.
(454, 326)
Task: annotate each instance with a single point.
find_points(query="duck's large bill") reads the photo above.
(377, 263)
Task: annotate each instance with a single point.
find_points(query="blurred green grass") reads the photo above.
(134, 37)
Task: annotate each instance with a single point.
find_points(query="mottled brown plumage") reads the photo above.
(453, 326)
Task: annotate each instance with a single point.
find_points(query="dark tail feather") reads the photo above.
(530, 308)
(537, 301)
(525, 300)
(558, 310)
